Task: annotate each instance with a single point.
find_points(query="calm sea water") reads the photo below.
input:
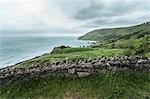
(14, 50)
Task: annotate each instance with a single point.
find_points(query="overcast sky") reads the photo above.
(68, 17)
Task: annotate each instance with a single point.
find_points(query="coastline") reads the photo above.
(22, 60)
(25, 59)
(87, 43)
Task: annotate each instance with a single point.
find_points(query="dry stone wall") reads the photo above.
(79, 67)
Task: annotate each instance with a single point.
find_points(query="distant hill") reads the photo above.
(114, 34)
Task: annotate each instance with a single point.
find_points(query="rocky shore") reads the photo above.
(78, 67)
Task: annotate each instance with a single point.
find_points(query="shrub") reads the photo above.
(142, 45)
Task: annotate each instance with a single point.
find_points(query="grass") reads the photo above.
(148, 54)
(109, 34)
(136, 38)
(109, 85)
(73, 53)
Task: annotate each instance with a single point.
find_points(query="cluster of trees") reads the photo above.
(140, 46)
(134, 46)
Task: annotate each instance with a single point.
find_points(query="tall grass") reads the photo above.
(120, 85)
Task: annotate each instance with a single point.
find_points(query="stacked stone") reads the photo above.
(79, 67)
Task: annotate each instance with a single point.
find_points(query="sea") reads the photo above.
(17, 49)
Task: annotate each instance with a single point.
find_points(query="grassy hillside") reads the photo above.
(72, 53)
(108, 85)
(135, 38)
(113, 34)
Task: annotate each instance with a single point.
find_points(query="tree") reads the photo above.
(142, 45)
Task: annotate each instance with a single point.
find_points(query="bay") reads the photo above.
(17, 49)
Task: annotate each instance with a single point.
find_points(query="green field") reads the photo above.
(136, 39)
(73, 53)
(109, 85)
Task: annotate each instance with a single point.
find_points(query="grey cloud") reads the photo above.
(114, 13)
(98, 23)
(116, 21)
(109, 9)
(84, 15)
